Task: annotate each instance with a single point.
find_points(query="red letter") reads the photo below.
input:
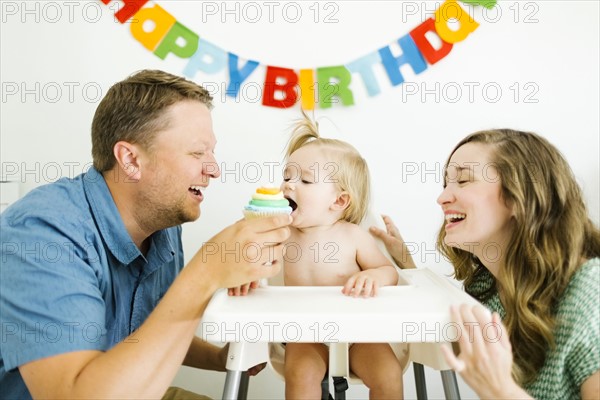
(129, 10)
(288, 88)
(429, 52)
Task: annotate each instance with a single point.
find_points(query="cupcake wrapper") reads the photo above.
(252, 214)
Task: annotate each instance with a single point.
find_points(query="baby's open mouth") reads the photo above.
(292, 204)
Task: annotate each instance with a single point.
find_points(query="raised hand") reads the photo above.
(394, 243)
(485, 359)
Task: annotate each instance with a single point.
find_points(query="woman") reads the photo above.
(518, 235)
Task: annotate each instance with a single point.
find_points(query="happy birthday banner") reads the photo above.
(330, 83)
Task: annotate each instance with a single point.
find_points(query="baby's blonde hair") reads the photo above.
(352, 172)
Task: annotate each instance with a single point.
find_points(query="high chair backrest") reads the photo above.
(375, 219)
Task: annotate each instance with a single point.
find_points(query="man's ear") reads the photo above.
(128, 159)
(341, 202)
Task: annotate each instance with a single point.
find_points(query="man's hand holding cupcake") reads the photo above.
(266, 203)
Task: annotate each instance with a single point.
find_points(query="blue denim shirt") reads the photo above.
(71, 277)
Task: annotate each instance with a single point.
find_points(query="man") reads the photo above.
(94, 299)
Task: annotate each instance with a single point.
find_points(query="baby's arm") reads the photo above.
(376, 269)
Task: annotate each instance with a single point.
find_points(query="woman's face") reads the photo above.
(477, 217)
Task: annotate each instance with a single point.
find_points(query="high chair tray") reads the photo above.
(415, 311)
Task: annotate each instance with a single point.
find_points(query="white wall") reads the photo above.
(546, 49)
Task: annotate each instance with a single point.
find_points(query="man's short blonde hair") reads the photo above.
(133, 111)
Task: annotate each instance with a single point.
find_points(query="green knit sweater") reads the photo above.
(577, 335)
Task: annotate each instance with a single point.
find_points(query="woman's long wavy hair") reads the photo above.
(552, 234)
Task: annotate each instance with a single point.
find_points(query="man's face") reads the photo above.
(178, 168)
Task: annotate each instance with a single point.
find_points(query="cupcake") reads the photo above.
(265, 202)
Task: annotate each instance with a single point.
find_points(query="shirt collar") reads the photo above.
(161, 251)
(107, 217)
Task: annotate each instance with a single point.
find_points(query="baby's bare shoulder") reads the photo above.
(352, 232)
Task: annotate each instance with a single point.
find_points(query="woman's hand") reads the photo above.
(394, 243)
(485, 359)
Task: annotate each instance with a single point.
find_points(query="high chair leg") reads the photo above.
(419, 372)
(340, 385)
(244, 383)
(325, 395)
(231, 389)
(450, 385)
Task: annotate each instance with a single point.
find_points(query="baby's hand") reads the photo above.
(362, 283)
(242, 290)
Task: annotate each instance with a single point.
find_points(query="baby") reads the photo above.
(327, 184)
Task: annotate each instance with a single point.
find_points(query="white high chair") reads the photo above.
(339, 365)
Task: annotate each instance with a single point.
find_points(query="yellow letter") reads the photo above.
(450, 9)
(163, 22)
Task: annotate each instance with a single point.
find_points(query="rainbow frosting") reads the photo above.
(267, 201)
